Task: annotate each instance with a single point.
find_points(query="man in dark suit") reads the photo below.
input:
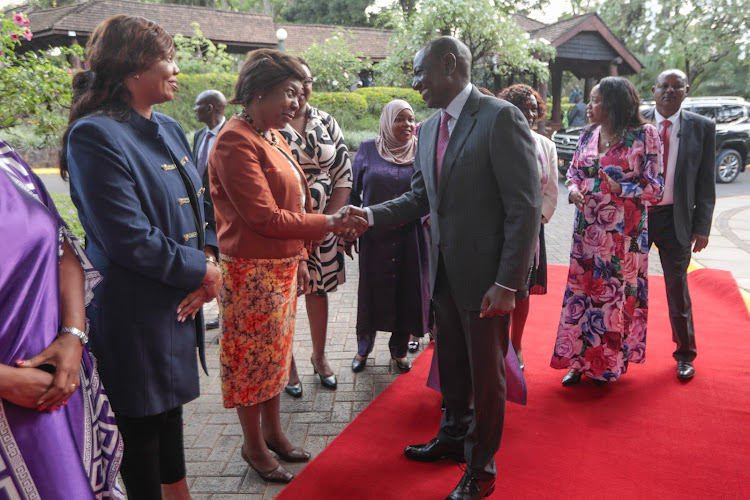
(476, 175)
(209, 109)
(683, 217)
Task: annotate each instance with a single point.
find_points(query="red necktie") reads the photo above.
(664, 135)
(443, 137)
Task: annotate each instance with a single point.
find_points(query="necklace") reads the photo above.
(609, 141)
(273, 142)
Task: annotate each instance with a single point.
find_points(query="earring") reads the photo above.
(137, 76)
(260, 97)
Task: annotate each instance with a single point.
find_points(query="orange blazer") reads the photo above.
(256, 197)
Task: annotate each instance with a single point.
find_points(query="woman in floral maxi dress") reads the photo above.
(615, 173)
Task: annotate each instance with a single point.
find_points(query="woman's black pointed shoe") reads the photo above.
(571, 378)
(327, 382)
(294, 390)
(358, 365)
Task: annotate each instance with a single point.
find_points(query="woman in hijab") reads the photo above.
(393, 272)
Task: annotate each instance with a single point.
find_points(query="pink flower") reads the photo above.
(27, 34)
(596, 359)
(599, 241)
(568, 344)
(605, 291)
(13, 36)
(613, 317)
(18, 19)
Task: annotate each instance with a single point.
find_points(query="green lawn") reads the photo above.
(69, 214)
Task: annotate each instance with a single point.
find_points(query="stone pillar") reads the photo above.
(556, 73)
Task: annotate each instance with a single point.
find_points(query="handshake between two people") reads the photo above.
(349, 222)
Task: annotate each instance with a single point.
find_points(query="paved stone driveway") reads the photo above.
(213, 435)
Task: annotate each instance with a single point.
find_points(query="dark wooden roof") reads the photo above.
(586, 37)
(240, 31)
(369, 42)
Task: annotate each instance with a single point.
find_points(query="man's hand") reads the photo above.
(498, 301)
(699, 242)
(348, 223)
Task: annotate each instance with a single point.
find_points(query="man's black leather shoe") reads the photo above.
(435, 450)
(470, 488)
(214, 323)
(685, 370)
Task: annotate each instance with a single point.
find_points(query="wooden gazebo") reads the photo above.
(586, 48)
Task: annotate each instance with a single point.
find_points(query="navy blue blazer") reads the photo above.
(140, 201)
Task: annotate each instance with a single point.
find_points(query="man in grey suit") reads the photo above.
(683, 216)
(209, 109)
(476, 175)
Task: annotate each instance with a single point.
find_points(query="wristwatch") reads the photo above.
(75, 331)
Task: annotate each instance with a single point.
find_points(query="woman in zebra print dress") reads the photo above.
(319, 147)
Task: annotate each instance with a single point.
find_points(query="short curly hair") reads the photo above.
(519, 93)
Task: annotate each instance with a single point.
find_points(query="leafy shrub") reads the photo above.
(336, 102)
(333, 65)
(181, 108)
(198, 54)
(378, 97)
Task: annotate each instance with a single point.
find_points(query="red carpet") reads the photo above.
(645, 436)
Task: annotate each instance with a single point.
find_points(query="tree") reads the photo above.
(334, 67)
(688, 34)
(337, 12)
(35, 86)
(497, 44)
(198, 54)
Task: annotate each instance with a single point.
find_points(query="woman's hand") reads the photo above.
(612, 185)
(348, 246)
(207, 292)
(24, 387)
(65, 355)
(303, 279)
(576, 198)
(348, 223)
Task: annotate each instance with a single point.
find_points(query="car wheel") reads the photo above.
(728, 166)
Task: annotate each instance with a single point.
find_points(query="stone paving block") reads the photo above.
(196, 454)
(342, 412)
(313, 416)
(224, 418)
(205, 468)
(297, 433)
(235, 468)
(315, 444)
(252, 483)
(354, 396)
(325, 429)
(323, 402)
(292, 405)
(208, 436)
(358, 406)
(221, 484)
(232, 430)
(224, 447)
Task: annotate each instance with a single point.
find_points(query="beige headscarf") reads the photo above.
(400, 153)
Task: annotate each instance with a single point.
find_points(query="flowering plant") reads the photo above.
(35, 86)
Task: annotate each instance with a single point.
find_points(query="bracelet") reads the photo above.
(75, 331)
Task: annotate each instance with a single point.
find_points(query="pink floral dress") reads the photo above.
(605, 308)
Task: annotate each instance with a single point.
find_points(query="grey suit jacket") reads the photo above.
(485, 209)
(695, 176)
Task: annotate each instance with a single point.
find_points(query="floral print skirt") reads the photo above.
(257, 307)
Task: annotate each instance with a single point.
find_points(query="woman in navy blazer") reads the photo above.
(140, 201)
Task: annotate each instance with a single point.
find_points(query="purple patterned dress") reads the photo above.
(74, 452)
(605, 307)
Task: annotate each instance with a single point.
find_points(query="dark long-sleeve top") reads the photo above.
(140, 201)
(394, 293)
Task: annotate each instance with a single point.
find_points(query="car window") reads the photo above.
(724, 113)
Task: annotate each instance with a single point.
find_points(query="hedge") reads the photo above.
(377, 97)
(335, 102)
(181, 108)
